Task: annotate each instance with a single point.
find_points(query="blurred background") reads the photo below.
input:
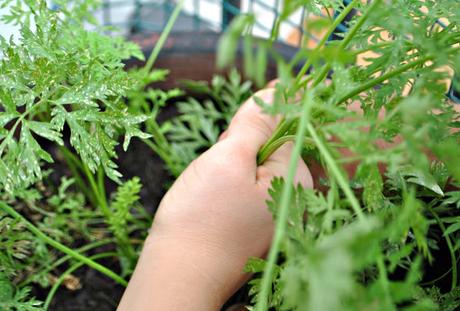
(198, 28)
(150, 16)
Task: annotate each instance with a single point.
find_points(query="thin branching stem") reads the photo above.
(63, 276)
(66, 258)
(336, 172)
(102, 200)
(266, 153)
(75, 166)
(61, 247)
(403, 68)
(286, 195)
(323, 41)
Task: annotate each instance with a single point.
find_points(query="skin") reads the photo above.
(212, 220)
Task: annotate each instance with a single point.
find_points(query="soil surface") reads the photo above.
(98, 292)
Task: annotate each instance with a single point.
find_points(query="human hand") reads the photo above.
(212, 220)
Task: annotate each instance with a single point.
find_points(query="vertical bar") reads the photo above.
(196, 14)
(454, 91)
(137, 16)
(302, 34)
(106, 13)
(227, 14)
(276, 8)
(251, 6)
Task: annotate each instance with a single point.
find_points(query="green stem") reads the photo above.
(286, 195)
(449, 245)
(375, 46)
(262, 303)
(57, 245)
(275, 30)
(63, 276)
(75, 167)
(281, 130)
(383, 78)
(323, 73)
(71, 157)
(352, 32)
(164, 36)
(158, 136)
(163, 155)
(266, 153)
(384, 279)
(437, 279)
(100, 182)
(65, 258)
(343, 44)
(102, 200)
(336, 172)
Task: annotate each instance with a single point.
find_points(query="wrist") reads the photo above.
(174, 272)
(208, 266)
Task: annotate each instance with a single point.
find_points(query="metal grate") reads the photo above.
(150, 16)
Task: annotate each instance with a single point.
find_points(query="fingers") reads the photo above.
(277, 165)
(250, 127)
(273, 83)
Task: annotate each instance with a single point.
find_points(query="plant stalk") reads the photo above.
(63, 276)
(266, 153)
(163, 37)
(336, 172)
(262, 303)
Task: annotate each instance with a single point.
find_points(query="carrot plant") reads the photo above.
(389, 215)
(382, 133)
(63, 98)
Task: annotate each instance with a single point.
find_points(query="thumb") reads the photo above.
(277, 165)
(250, 127)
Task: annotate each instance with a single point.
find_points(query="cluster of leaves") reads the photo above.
(389, 211)
(61, 213)
(366, 243)
(64, 215)
(56, 75)
(200, 123)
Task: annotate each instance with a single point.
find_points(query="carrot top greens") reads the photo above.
(382, 234)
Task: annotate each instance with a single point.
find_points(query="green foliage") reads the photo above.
(200, 123)
(11, 300)
(63, 93)
(368, 242)
(447, 302)
(121, 221)
(24, 260)
(360, 244)
(59, 74)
